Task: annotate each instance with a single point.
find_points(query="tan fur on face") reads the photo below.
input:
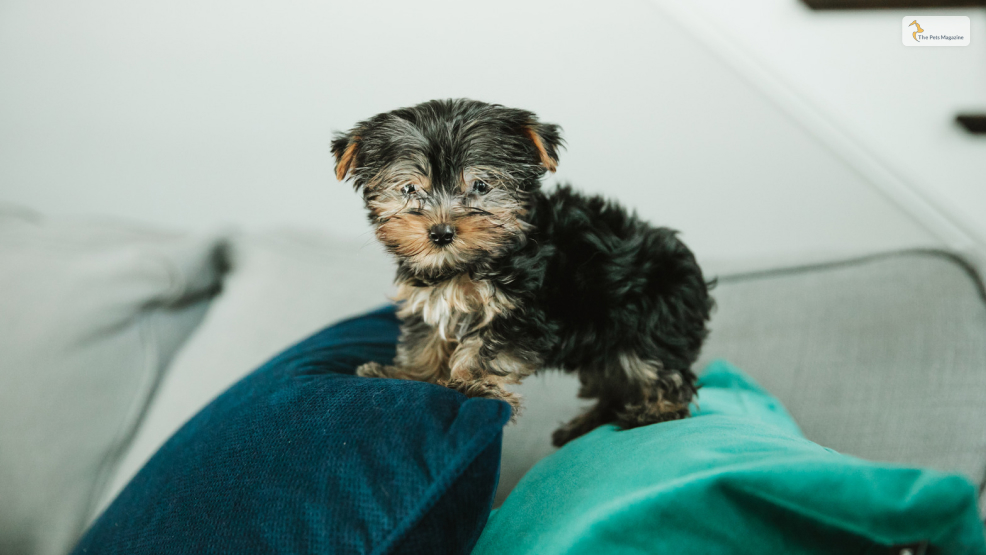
(477, 234)
(406, 235)
(488, 235)
(485, 225)
(414, 170)
(495, 177)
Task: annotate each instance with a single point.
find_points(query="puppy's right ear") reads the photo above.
(345, 148)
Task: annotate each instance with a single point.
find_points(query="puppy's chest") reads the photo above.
(455, 307)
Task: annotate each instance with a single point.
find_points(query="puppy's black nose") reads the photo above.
(441, 234)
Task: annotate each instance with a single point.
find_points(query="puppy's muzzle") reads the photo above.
(441, 234)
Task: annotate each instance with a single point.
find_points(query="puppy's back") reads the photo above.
(615, 283)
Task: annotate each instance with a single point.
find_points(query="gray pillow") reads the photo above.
(282, 287)
(882, 357)
(91, 315)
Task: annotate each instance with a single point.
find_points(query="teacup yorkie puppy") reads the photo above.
(497, 279)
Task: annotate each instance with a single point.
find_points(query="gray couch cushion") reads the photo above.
(882, 357)
(91, 315)
(282, 287)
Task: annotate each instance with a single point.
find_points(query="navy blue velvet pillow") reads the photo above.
(303, 457)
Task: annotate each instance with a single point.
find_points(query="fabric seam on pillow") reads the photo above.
(982, 502)
(152, 373)
(178, 283)
(968, 268)
(437, 490)
(153, 369)
(847, 526)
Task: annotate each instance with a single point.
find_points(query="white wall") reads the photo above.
(869, 97)
(200, 115)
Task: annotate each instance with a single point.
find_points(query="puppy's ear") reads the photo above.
(547, 140)
(345, 148)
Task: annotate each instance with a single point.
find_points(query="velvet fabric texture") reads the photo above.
(301, 456)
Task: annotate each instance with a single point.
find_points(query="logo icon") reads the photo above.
(915, 33)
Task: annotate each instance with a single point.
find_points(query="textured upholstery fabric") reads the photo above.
(303, 457)
(90, 315)
(738, 477)
(883, 358)
(282, 286)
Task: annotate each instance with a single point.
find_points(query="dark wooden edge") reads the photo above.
(973, 123)
(889, 4)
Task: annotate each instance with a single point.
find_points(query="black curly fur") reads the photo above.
(589, 287)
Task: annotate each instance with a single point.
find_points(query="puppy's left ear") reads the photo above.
(547, 140)
(345, 147)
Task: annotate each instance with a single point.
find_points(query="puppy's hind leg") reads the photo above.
(584, 423)
(631, 392)
(655, 394)
(595, 385)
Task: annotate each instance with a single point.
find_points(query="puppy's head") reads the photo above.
(448, 183)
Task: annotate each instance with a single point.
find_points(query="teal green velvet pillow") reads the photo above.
(737, 478)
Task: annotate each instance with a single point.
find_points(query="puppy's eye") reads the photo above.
(480, 186)
(408, 189)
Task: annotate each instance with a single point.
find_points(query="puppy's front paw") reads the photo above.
(563, 435)
(374, 370)
(634, 415)
(573, 430)
(488, 389)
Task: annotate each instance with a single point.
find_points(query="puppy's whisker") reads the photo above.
(474, 210)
